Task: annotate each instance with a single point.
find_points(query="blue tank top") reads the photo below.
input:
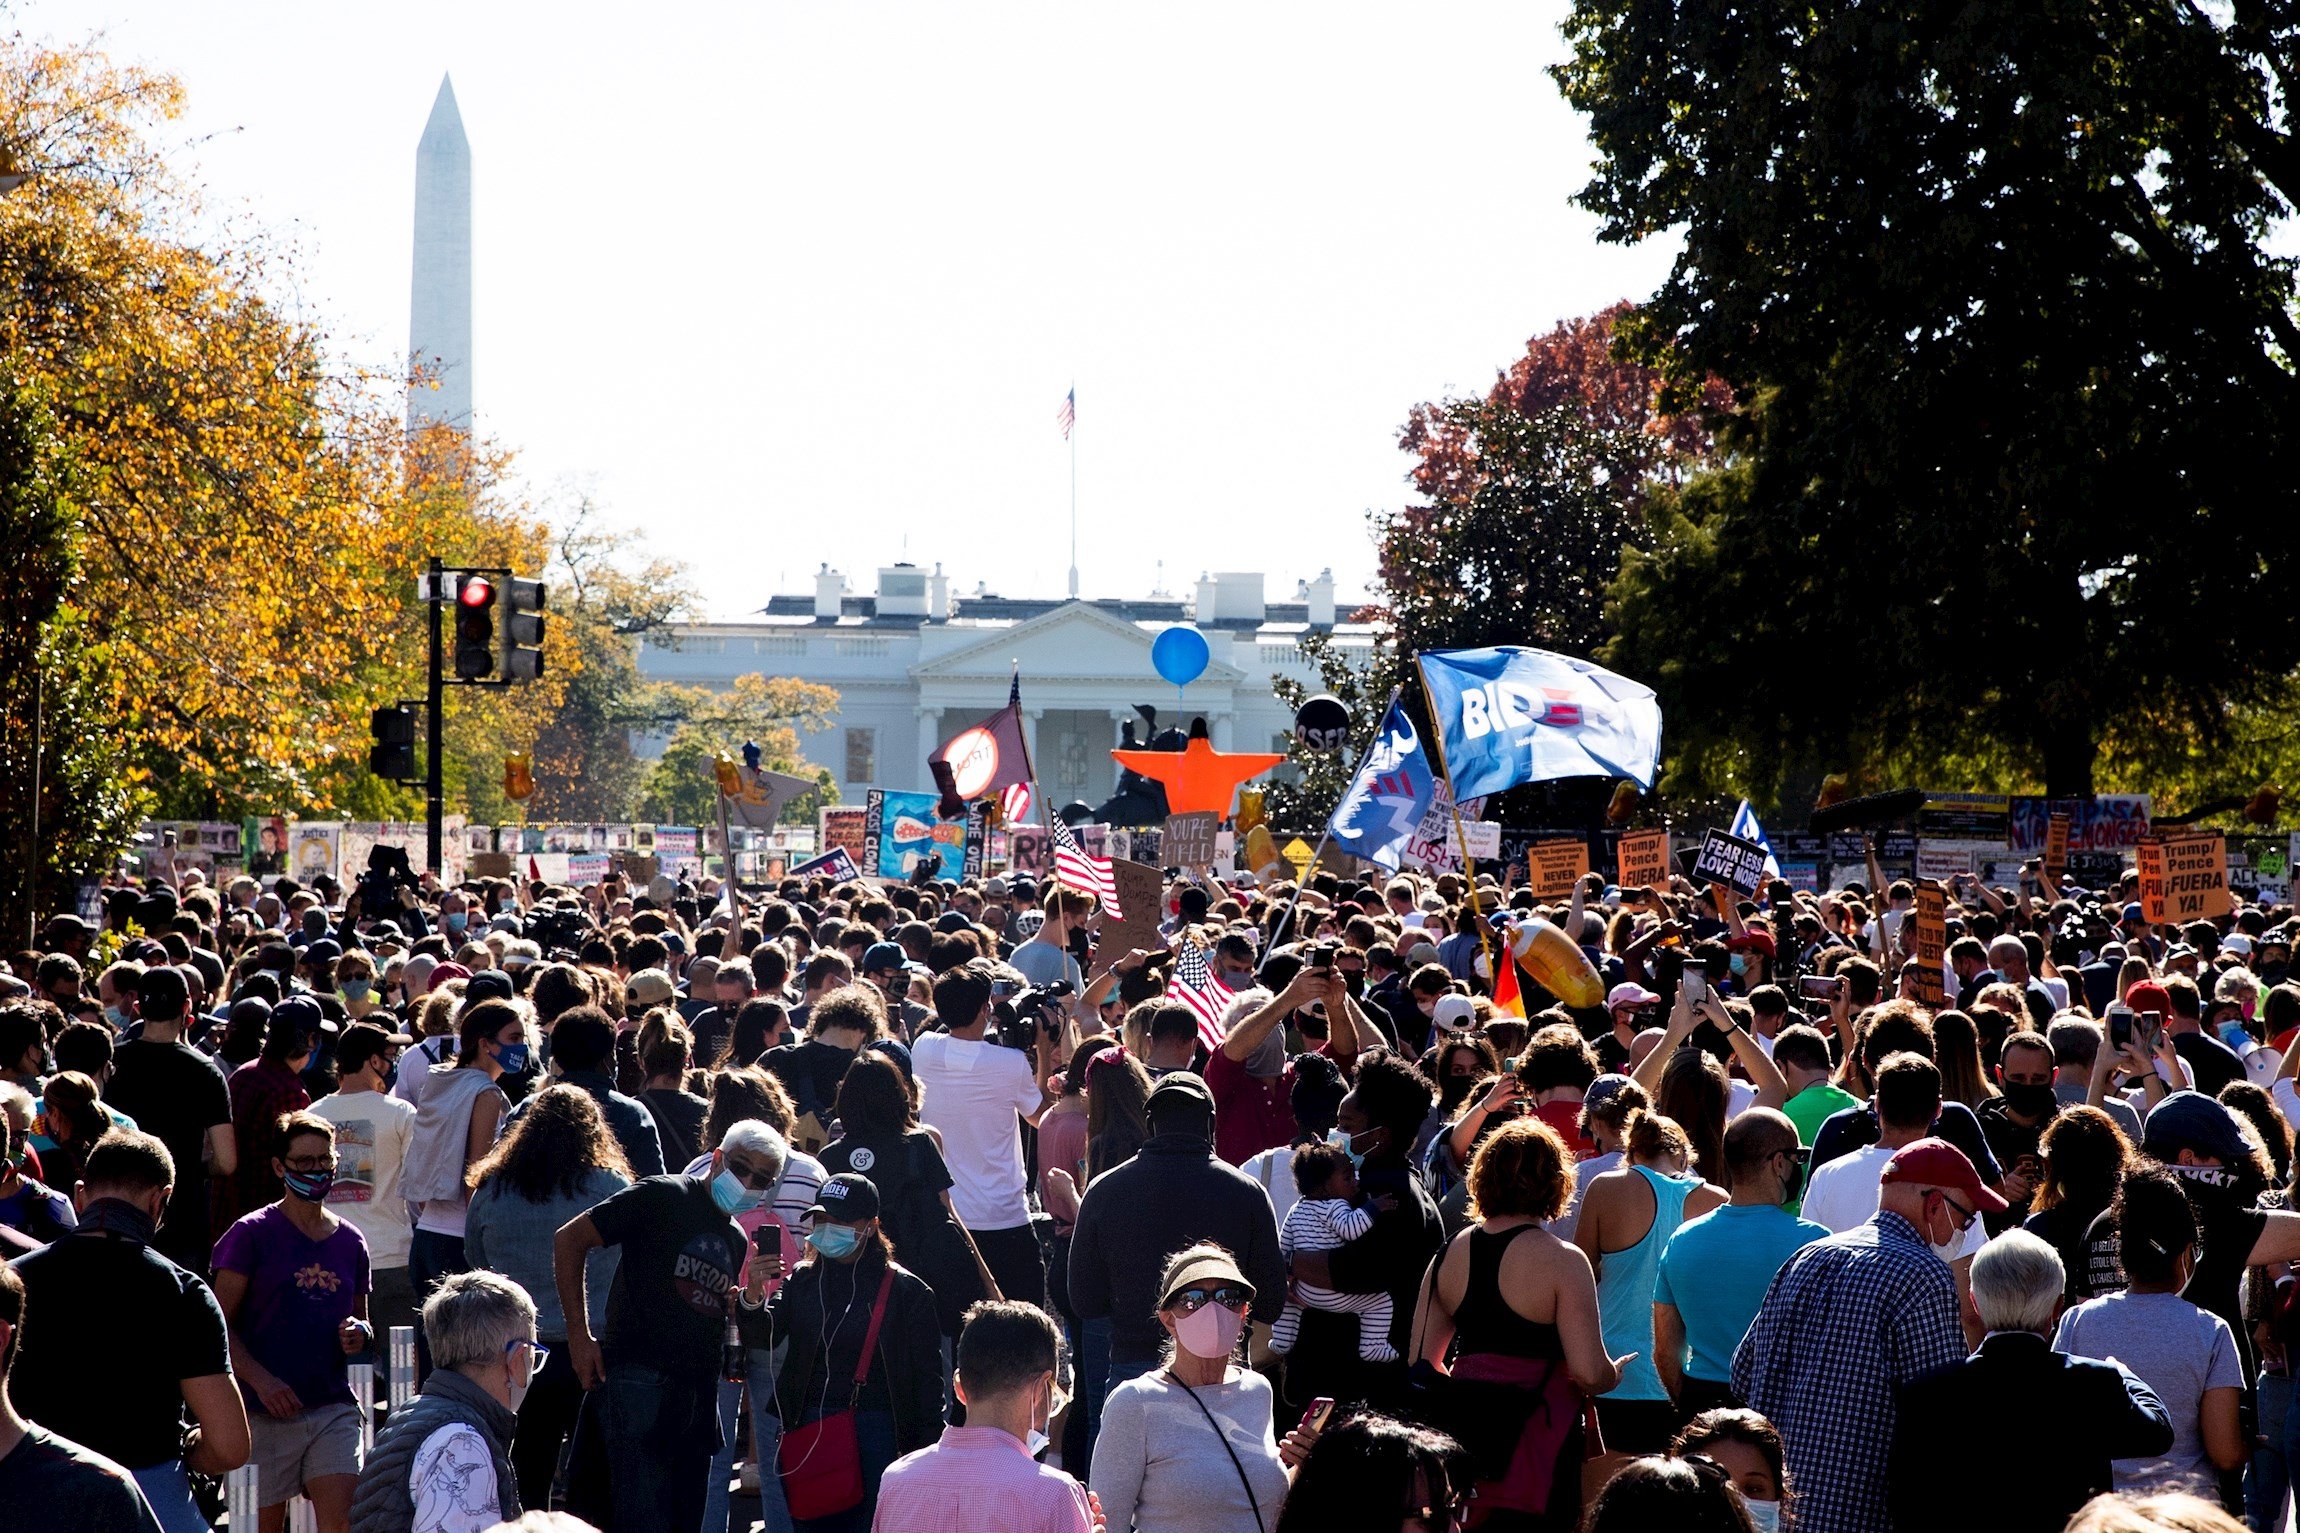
(1625, 1289)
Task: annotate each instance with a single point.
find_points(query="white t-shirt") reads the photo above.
(371, 1135)
(1274, 1169)
(452, 1483)
(972, 1093)
(1844, 1193)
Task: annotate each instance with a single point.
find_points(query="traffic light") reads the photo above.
(393, 754)
(475, 652)
(522, 629)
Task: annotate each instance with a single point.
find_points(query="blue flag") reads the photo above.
(1395, 786)
(1746, 827)
(1512, 716)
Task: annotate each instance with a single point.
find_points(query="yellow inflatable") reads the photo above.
(1562, 969)
(1262, 855)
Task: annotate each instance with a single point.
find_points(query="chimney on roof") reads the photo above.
(1237, 599)
(1202, 611)
(938, 596)
(830, 589)
(1319, 593)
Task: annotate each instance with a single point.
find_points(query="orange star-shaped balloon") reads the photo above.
(1198, 777)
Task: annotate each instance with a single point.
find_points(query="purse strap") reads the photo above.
(870, 1337)
(1224, 1439)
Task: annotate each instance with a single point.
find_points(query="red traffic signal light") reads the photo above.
(476, 591)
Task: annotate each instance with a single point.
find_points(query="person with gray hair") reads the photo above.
(443, 1462)
(2071, 1414)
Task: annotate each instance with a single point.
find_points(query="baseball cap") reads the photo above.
(325, 950)
(1206, 1267)
(1752, 940)
(489, 985)
(302, 1013)
(2190, 1120)
(361, 1042)
(1453, 1014)
(442, 974)
(2237, 942)
(649, 987)
(2148, 995)
(1604, 1089)
(2134, 914)
(1629, 993)
(1179, 1090)
(883, 955)
(1938, 1163)
(847, 1198)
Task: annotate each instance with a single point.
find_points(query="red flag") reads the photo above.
(983, 760)
(534, 873)
(1506, 996)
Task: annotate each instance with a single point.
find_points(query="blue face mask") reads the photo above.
(836, 1241)
(728, 1191)
(455, 921)
(356, 989)
(1347, 1144)
(511, 1058)
(116, 1016)
(2234, 1035)
(1739, 964)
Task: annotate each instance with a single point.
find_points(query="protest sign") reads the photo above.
(1139, 888)
(2056, 844)
(1552, 868)
(1928, 982)
(1189, 840)
(2184, 878)
(1483, 838)
(1644, 860)
(489, 865)
(1029, 850)
(837, 865)
(1726, 859)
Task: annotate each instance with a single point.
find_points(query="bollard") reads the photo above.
(402, 1365)
(361, 1377)
(240, 1499)
(301, 1518)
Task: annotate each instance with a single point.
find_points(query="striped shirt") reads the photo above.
(1846, 1322)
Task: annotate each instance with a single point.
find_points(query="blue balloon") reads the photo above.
(1180, 654)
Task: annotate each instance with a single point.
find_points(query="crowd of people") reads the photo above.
(878, 1205)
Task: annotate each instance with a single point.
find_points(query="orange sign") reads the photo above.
(1644, 862)
(1553, 866)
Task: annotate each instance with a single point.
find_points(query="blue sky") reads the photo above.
(783, 284)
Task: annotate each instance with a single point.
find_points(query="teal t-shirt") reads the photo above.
(1715, 1270)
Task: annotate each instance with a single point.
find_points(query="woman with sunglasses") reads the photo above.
(443, 1461)
(1189, 1448)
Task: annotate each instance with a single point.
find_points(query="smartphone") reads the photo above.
(2149, 1029)
(2119, 1026)
(1694, 987)
(1314, 1419)
(1820, 987)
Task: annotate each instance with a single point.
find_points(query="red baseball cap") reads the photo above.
(1938, 1163)
(2148, 995)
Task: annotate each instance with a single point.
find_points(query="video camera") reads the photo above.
(388, 872)
(1023, 1016)
(556, 925)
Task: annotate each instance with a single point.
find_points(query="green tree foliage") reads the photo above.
(2011, 479)
(771, 711)
(61, 715)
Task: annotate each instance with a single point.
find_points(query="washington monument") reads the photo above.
(439, 296)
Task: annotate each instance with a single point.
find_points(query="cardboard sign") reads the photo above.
(1552, 867)
(2184, 878)
(488, 864)
(1932, 918)
(1029, 850)
(1484, 838)
(1139, 889)
(1644, 860)
(837, 865)
(1737, 864)
(1189, 839)
(2056, 844)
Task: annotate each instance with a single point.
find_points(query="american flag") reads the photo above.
(1195, 986)
(1014, 803)
(1087, 875)
(1067, 416)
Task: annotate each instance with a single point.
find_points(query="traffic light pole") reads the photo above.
(434, 797)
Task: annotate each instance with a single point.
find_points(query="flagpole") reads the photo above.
(1073, 437)
(1286, 922)
(1461, 837)
(727, 849)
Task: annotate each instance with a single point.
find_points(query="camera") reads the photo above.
(1026, 1015)
(387, 873)
(556, 925)
(1322, 955)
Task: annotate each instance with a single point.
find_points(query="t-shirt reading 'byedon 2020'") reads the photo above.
(668, 1308)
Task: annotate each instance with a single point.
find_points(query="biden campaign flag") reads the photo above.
(1512, 715)
(1394, 789)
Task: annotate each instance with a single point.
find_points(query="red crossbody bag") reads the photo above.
(821, 1461)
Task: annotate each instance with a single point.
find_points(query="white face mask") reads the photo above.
(1034, 1442)
(1765, 1514)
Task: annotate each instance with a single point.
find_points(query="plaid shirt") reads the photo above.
(1847, 1321)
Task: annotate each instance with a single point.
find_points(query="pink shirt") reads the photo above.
(978, 1478)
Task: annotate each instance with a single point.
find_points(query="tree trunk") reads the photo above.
(2069, 749)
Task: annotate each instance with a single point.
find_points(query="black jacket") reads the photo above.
(2061, 1419)
(909, 1350)
(1173, 1193)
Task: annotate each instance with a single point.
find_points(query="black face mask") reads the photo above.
(2030, 1099)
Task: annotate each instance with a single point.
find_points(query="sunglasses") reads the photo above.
(1191, 1300)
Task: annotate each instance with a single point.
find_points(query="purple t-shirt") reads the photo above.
(299, 1292)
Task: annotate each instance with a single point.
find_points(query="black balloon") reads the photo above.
(1322, 723)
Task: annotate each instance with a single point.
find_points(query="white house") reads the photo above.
(914, 664)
